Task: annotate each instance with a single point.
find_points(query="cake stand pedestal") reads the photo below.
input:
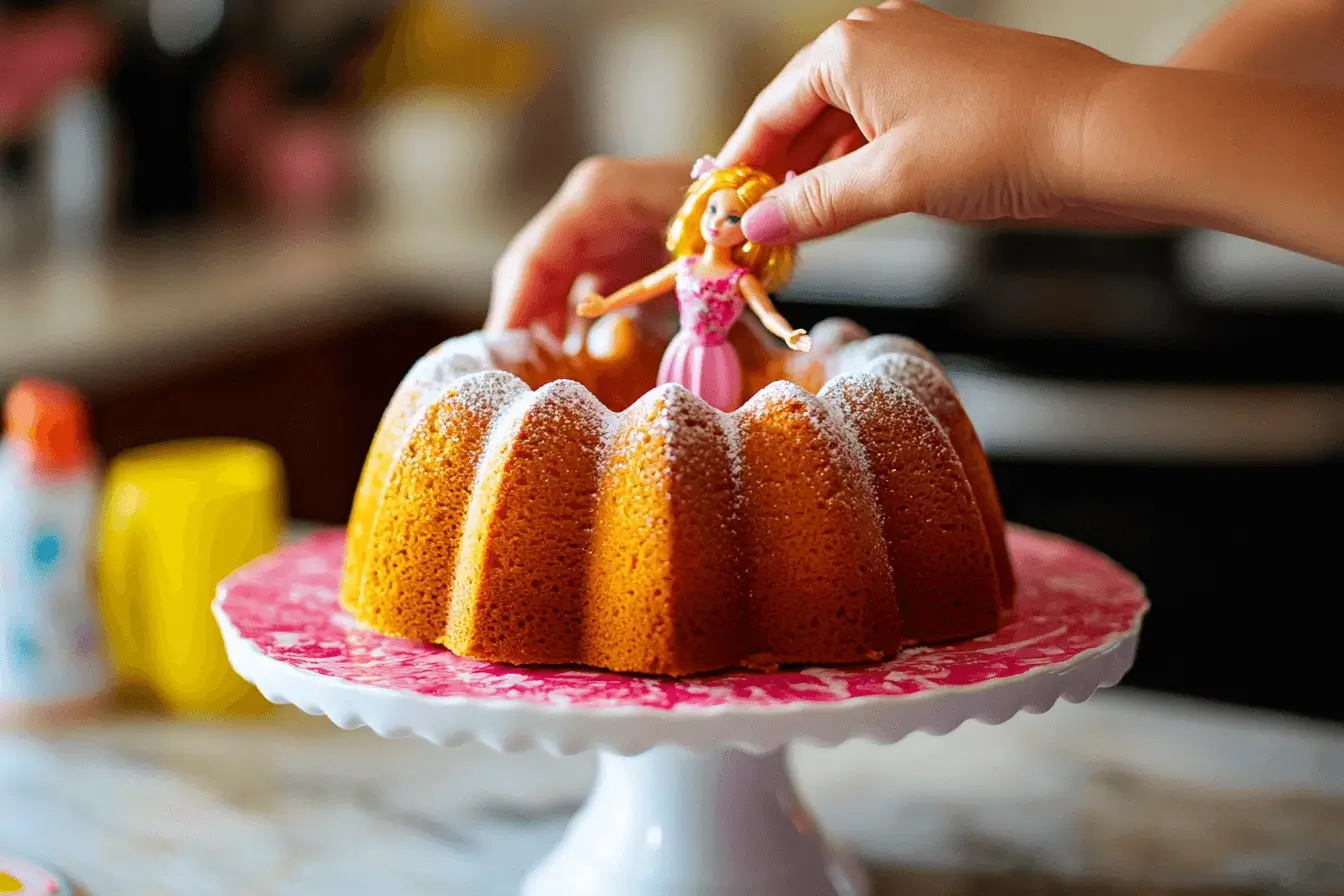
(693, 795)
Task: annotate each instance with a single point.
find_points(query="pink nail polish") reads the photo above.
(764, 223)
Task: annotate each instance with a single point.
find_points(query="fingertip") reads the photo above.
(845, 192)
(504, 301)
(526, 286)
(513, 304)
(765, 222)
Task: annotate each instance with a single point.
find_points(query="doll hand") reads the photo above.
(593, 306)
(908, 109)
(799, 341)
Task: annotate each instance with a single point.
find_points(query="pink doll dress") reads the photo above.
(700, 356)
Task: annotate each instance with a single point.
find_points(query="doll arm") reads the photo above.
(759, 301)
(637, 293)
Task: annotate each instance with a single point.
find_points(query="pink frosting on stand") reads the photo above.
(1072, 599)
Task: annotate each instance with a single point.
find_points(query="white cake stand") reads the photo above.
(693, 795)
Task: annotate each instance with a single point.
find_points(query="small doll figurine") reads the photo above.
(716, 273)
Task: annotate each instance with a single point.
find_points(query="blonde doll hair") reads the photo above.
(772, 265)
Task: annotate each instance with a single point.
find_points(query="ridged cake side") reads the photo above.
(416, 534)
(666, 590)
(507, 514)
(930, 385)
(819, 588)
(927, 505)
(519, 587)
(419, 389)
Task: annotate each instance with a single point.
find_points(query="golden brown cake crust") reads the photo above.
(928, 383)
(820, 590)
(519, 589)
(927, 506)
(666, 589)
(408, 578)
(528, 503)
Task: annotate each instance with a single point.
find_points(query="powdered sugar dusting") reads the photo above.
(574, 395)
(904, 410)
(475, 352)
(676, 421)
(450, 360)
(862, 389)
(1072, 600)
(856, 389)
(546, 400)
(853, 357)
(769, 395)
(829, 423)
(841, 346)
(833, 333)
(504, 427)
(732, 434)
(488, 391)
(926, 380)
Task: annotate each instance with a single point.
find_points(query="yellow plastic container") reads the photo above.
(179, 517)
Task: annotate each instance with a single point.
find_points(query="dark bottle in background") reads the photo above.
(168, 58)
(173, 57)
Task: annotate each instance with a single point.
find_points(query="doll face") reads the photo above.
(721, 224)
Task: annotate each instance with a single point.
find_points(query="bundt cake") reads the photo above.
(529, 502)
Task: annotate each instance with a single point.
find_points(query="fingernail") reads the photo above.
(764, 222)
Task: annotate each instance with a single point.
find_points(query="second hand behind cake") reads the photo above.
(525, 504)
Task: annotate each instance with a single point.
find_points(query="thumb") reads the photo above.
(843, 193)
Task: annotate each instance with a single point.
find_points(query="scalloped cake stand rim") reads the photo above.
(710, 781)
(564, 729)
(513, 726)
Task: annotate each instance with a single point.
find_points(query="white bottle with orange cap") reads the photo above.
(52, 656)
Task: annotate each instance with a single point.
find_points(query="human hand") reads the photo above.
(799, 341)
(593, 306)
(907, 109)
(605, 223)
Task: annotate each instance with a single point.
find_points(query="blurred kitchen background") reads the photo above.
(248, 217)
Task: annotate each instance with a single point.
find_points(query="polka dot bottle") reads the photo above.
(51, 644)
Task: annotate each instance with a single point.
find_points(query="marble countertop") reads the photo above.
(1127, 794)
